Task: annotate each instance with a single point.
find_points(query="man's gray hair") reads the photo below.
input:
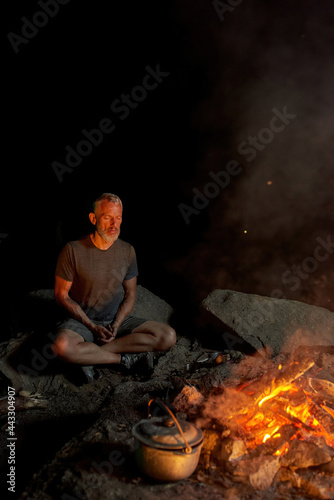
(113, 198)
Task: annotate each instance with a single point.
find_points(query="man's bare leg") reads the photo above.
(71, 347)
(149, 336)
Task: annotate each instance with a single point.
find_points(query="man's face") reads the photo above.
(108, 220)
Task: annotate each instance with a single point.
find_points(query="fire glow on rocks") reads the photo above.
(270, 426)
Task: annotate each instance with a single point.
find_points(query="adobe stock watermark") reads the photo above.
(104, 468)
(265, 310)
(294, 276)
(116, 458)
(227, 6)
(220, 180)
(121, 108)
(258, 142)
(11, 460)
(40, 359)
(30, 27)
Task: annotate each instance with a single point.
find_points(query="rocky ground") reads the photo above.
(74, 440)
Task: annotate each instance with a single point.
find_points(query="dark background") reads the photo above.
(225, 77)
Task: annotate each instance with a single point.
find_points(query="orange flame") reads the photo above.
(263, 422)
(274, 393)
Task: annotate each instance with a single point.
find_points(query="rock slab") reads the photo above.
(147, 305)
(276, 324)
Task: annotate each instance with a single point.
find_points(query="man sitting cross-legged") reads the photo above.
(95, 282)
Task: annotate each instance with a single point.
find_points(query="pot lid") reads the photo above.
(163, 433)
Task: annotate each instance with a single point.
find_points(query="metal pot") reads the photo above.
(167, 449)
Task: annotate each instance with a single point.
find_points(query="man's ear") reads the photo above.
(92, 218)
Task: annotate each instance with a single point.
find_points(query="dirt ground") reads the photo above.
(68, 432)
(75, 441)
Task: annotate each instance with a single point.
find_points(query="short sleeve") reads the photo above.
(132, 271)
(65, 267)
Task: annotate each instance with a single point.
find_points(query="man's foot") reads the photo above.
(130, 359)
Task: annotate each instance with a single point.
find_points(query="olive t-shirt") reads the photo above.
(97, 275)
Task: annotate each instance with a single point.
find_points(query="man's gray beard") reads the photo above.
(106, 237)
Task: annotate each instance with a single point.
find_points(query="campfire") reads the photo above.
(289, 402)
(266, 429)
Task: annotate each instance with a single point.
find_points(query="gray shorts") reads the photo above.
(129, 324)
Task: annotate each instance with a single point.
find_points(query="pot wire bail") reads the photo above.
(188, 448)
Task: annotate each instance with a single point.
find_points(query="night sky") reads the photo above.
(217, 133)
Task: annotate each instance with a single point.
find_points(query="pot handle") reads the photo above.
(188, 448)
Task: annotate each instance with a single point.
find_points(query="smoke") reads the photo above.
(263, 58)
(230, 400)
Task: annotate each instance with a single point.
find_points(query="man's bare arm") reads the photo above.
(126, 306)
(62, 288)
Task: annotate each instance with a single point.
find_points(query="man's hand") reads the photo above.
(114, 329)
(103, 334)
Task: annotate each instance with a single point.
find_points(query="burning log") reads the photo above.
(323, 387)
(329, 410)
(283, 412)
(295, 399)
(294, 371)
(325, 420)
(284, 380)
(276, 443)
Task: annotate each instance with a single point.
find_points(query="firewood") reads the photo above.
(323, 387)
(324, 418)
(275, 443)
(329, 410)
(292, 372)
(290, 418)
(284, 378)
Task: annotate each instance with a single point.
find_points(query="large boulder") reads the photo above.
(147, 305)
(151, 307)
(278, 325)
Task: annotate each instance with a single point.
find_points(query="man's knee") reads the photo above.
(166, 338)
(64, 347)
